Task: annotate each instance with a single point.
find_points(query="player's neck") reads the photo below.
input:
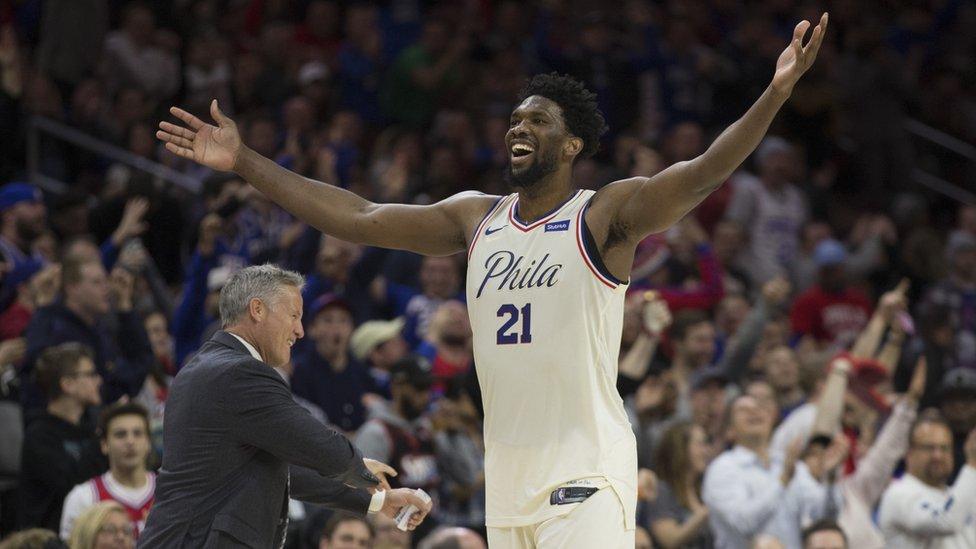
(533, 204)
(130, 478)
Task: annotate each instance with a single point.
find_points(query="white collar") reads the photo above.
(250, 348)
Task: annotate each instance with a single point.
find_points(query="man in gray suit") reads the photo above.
(237, 446)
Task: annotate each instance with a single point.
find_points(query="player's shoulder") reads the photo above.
(619, 190)
(470, 205)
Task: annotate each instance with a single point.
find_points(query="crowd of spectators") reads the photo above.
(799, 353)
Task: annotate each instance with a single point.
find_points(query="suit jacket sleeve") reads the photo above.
(308, 485)
(266, 416)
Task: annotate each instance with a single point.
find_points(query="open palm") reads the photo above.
(216, 147)
(797, 58)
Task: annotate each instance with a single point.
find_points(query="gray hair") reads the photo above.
(264, 282)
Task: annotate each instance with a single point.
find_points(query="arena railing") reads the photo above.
(39, 125)
(947, 143)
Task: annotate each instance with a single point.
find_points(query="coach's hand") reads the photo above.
(216, 147)
(402, 497)
(797, 58)
(381, 471)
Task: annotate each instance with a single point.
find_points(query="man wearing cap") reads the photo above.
(378, 345)
(957, 400)
(22, 219)
(400, 434)
(325, 372)
(830, 312)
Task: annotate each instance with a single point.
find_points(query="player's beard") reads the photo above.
(542, 166)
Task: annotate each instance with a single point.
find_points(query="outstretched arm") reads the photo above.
(438, 229)
(642, 205)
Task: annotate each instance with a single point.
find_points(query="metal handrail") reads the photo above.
(38, 124)
(941, 138)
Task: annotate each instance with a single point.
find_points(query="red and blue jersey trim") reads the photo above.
(484, 221)
(587, 249)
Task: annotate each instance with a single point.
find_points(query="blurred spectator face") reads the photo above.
(826, 539)
(388, 536)
(47, 246)
(388, 352)
(967, 219)
(83, 384)
(28, 219)
(275, 40)
(833, 278)
(139, 24)
(765, 396)
(130, 107)
(727, 241)
(116, 532)
(698, 345)
(127, 442)
(782, 369)
(282, 327)
(439, 277)
(141, 140)
(930, 457)
(262, 137)
(346, 128)
(349, 534)
(964, 264)
(766, 541)
(750, 422)
(411, 401)
(90, 292)
(596, 37)
(708, 404)
(360, 22)
(331, 330)
(777, 168)
(698, 451)
(814, 233)
(732, 310)
(686, 141)
(450, 325)
(158, 332)
(87, 100)
(299, 115)
(83, 248)
(335, 258)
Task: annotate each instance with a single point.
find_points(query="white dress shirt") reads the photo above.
(918, 516)
(742, 495)
(379, 497)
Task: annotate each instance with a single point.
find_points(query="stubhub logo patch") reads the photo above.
(558, 226)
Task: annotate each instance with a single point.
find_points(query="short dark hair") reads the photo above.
(121, 409)
(931, 416)
(56, 363)
(823, 525)
(684, 320)
(580, 111)
(338, 518)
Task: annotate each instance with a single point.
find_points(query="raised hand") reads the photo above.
(216, 147)
(132, 223)
(797, 58)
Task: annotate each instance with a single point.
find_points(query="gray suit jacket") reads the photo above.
(236, 445)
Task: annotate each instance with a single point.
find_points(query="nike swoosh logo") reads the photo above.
(489, 230)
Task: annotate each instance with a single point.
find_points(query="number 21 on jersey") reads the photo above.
(509, 334)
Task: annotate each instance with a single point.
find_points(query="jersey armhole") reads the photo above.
(477, 231)
(591, 251)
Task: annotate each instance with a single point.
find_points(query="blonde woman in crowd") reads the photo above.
(103, 526)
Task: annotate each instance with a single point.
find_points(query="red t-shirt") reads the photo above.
(830, 317)
(14, 321)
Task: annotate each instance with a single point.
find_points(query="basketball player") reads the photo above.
(547, 271)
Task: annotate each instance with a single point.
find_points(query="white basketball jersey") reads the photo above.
(547, 317)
